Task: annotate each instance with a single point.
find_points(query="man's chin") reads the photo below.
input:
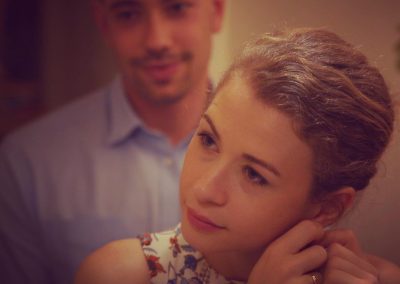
(167, 94)
(164, 97)
(160, 92)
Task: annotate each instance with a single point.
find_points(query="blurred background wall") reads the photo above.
(73, 61)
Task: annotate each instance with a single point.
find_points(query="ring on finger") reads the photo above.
(316, 277)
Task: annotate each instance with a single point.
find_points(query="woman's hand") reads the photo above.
(347, 263)
(389, 273)
(291, 258)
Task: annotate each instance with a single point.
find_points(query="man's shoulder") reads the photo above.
(71, 116)
(86, 109)
(71, 122)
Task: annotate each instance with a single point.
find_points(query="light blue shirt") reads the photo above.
(82, 176)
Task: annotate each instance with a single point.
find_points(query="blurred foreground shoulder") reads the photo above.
(389, 273)
(120, 262)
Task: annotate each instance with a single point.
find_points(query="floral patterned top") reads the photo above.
(172, 260)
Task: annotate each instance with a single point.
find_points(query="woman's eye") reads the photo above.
(253, 176)
(207, 141)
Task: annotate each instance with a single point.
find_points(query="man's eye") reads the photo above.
(127, 15)
(206, 140)
(253, 176)
(179, 7)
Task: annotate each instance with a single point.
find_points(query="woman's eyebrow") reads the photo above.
(246, 156)
(210, 122)
(262, 163)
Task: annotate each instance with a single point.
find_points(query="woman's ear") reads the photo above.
(334, 205)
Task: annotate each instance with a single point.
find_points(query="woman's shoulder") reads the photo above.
(119, 261)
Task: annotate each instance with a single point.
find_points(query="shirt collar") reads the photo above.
(123, 120)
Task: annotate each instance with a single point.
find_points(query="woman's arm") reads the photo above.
(120, 262)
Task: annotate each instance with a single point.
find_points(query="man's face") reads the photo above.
(162, 46)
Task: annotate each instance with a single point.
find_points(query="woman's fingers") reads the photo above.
(388, 273)
(341, 277)
(344, 237)
(290, 258)
(299, 237)
(310, 259)
(344, 266)
(307, 279)
(339, 251)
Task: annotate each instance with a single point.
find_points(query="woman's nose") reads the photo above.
(213, 187)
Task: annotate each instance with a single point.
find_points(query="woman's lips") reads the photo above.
(202, 223)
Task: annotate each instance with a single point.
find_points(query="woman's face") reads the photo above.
(246, 177)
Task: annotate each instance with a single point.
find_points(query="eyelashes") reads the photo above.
(207, 140)
(209, 144)
(253, 176)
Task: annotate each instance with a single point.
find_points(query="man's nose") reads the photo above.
(157, 36)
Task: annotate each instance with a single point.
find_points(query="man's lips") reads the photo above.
(202, 223)
(161, 71)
